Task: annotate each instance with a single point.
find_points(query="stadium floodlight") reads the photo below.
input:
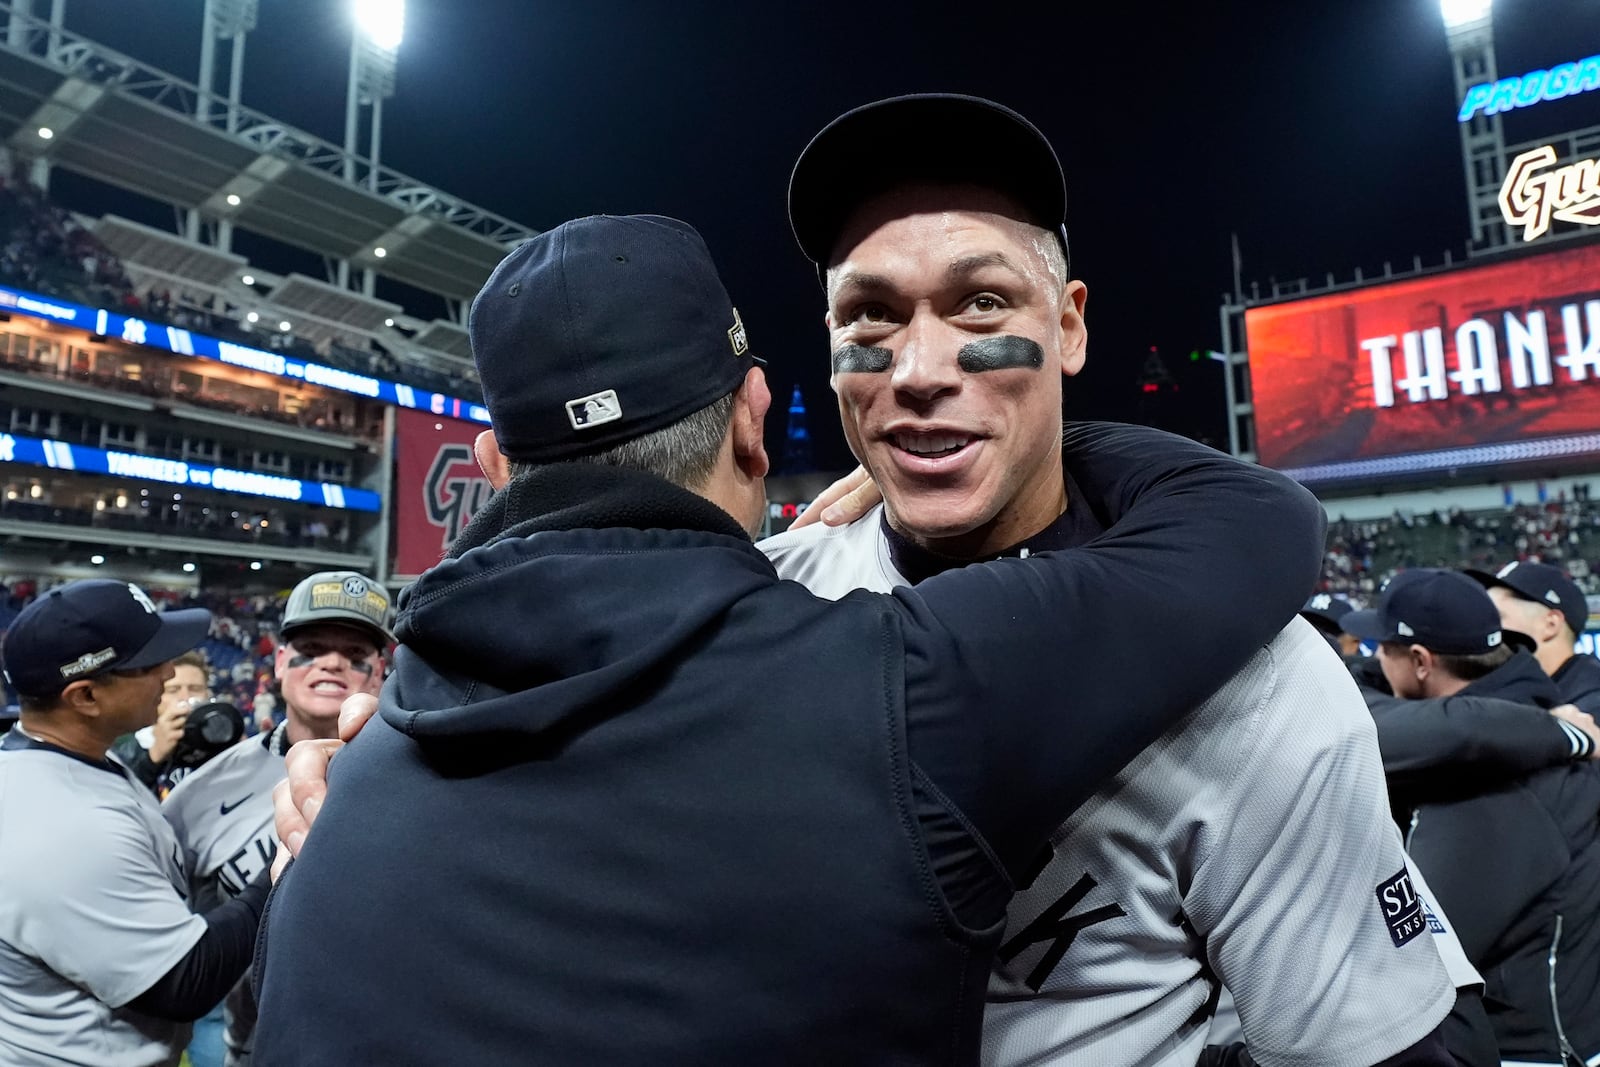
(1464, 12)
(233, 200)
(45, 133)
(97, 559)
(380, 252)
(188, 568)
(255, 564)
(253, 317)
(283, 325)
(388, 322)
(248, 279)
(383, 22)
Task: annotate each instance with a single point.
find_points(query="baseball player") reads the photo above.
(332, 641)
(102, 960)
(1537, 599)
(1249, 845)
(1252, 843)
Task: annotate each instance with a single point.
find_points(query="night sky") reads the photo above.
(1323, 134)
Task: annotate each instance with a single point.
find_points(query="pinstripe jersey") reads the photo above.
(1252, 844)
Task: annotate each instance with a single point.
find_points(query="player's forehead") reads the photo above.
(942, 229)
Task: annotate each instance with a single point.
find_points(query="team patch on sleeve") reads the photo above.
(1402, 908)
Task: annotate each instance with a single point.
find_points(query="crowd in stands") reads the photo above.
(1564, 531)
(47, 251)
(194, 518)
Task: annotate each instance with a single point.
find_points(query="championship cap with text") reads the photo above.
(346, 598)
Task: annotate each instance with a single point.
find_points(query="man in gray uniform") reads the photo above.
(102, 960)
(1252, 842)
(333, 638)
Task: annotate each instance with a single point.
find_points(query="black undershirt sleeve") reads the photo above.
(1029, 682)
(199, 981)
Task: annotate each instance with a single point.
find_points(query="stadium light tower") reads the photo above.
(378, 28)
(1469, 28)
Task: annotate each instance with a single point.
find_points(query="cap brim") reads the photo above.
(1489, 580)
(1362, 624)
(915, 139)
(180, 631)
(1518, 639)
(382, 637)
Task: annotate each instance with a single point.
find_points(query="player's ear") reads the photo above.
(746, 427)
(493, 463)
(1074, 334)
(1421, 662)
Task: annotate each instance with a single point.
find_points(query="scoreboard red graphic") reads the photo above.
(1492, 364)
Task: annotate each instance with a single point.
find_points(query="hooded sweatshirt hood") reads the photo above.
(576, 582)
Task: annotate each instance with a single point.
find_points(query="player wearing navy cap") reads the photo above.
(102, 961)
(1516, 864)
(1541, 601)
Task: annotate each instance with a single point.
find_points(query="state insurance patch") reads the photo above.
(1402, 908)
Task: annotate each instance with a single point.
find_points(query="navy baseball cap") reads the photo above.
(89, 627)
(1544, 585)
(1324, 611)
(1441, 610)
(600, 331)
(938, 138)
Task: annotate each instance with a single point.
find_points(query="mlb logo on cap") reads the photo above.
(1544, 585)
(594, 409)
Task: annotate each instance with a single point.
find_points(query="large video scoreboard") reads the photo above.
(1493, 365)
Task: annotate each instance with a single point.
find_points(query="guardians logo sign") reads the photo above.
(438, 487)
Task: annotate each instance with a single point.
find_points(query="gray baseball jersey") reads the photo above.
(1252, 844)
(1225, 1028)
(222, 814)
(93, 912)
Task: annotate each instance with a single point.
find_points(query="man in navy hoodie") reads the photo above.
(1515, 862)
(630, 799)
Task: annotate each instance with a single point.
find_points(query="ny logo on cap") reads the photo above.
(594, 410)
(737, 337)
(139, 595)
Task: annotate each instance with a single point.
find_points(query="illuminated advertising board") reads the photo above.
(1535, 192)
(185, 343)
(59, 455)
(1508, 94)
(1489, 365)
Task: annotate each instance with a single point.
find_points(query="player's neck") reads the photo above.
(1026, 516)
(74, 735)
(1552, 656)
(298, 727)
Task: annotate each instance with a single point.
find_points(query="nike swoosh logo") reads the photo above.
(230, 807)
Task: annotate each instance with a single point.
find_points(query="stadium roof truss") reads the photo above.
(122, 122)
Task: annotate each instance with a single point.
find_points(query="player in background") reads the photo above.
(1539, 600)
(1516, 864)
(147, 751)
(102, 960)
(333, 637)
